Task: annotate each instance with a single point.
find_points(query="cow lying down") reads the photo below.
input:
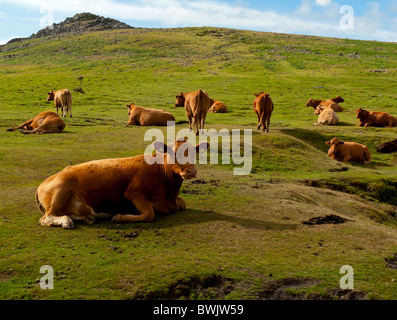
(44, 122)
(348, 151)
(375, 118)
(147, 117)
(217, 107)
(326, 116)
(388, 147)
(127, 189)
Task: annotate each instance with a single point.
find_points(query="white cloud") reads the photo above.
(305, 7)
(323, 3)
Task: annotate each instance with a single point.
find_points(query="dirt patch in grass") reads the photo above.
(7, 275)
(392, 262)
(328, 219)
(289, 289)
(213, 287)
(280, 289)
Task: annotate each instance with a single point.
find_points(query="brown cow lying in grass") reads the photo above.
(330, 103)
(217, 107)
(327, 116)
(139, 116)
(196, 104)
(375, 118)
(388, 147)
(348, 151)
(137, 187)
(62, 99)
(263, 107)
(44, 122)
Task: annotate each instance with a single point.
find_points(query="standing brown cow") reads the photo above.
(62, 99)
(44, 122)
(263, 107)
(196, 105)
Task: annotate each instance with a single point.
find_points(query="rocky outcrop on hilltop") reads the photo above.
(80, 23)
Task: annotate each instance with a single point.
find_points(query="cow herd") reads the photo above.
(352, 151)
(131, 189)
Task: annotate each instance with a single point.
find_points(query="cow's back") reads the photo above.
(154, 117)
(64, 95)
(95, 181)
(264, 104)
(356, 150)
(332, 104)
(328, 117)
(199, 102)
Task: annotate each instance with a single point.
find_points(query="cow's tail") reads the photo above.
(263, 115)
(199, 104)
(38, 204)
(197, 110)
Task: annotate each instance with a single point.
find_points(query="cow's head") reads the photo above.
(338, 99)
(359, 112)
(131, 107)
(51, 96)
(212, 101)
(180, 156)
(180, 100)
(312, 103)
(335, 145)
(318, 110)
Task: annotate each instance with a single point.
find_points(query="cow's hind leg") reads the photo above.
(24, 125)
(263, 122)
(268, 123)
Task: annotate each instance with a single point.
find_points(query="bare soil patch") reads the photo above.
(211, 287)
(328, 219)
(392, 263)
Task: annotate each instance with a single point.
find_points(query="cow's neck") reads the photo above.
(172, 181)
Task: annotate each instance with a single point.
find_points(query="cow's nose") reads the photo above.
(191, 172)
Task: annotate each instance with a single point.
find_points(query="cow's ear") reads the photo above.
(202, 147)
(328, 143)
(160, 147)
(128, 106)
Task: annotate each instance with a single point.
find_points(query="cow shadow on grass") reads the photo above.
(192, 216)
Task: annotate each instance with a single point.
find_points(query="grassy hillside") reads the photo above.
(241, 237)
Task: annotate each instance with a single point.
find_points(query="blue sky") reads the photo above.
(366, 20)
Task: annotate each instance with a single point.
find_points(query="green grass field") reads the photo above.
(241, 237)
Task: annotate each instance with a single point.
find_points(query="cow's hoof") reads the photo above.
(181, 204)
(116, 218)
(89, 219)
(67, 223)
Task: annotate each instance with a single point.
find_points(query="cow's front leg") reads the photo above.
(181, 203)
(145, 209)
(347, 158)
